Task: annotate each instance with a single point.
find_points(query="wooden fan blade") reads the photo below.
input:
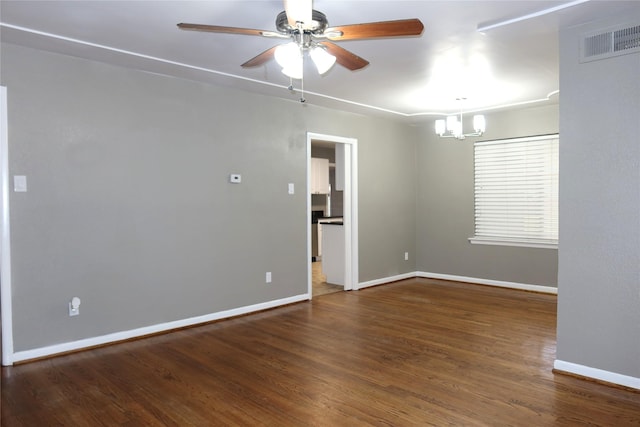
(372, 30)
(229, 30)
(349, 60)
(260, 59)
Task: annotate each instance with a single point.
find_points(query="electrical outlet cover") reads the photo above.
(73, 311)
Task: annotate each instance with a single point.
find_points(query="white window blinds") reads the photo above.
(516, 191)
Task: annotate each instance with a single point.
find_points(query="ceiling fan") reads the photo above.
(309, 31)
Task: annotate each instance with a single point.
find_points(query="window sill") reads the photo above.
(520, 243)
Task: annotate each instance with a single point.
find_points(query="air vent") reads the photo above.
(605, 44)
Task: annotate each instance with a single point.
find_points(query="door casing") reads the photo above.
(350, 208)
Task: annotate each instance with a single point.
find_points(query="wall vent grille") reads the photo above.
(614, 42)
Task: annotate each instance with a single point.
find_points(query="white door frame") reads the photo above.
(5, 248)
(350, 209)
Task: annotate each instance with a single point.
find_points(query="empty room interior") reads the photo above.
(320, 213)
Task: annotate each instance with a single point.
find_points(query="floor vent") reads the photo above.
(605, 44)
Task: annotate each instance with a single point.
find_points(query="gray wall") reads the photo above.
(599, 257)
(388, 222)
(445, 211)
(129, 207)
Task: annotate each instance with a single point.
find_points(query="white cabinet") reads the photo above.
(333, 253)
(319, 176)
(320, 223)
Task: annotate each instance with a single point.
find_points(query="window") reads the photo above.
(516, 191)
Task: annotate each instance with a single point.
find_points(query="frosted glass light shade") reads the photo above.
(322, 59)
(457, 129)
(287, 54)
(479, 123)
(299, 11)
(451, 122)
(293, 72)
(289, 57)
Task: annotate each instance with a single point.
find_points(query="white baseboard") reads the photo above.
(597, 374)
(21, 356)
(390, 279)
(475, 280)
(501, 284)
(36, 353)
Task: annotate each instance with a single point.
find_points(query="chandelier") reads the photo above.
(453, 128)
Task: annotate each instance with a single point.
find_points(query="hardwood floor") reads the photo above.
(319, 283)
(416, 352)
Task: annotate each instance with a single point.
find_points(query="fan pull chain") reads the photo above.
(302, 100)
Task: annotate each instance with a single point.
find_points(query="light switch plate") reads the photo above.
(19, 183)
(292, 188)
(235, 178)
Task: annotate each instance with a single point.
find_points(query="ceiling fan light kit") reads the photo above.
(290, 57)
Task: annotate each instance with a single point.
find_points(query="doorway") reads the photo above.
(343, 250)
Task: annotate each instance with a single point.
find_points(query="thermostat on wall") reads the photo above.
(235, 178)
(19, 183)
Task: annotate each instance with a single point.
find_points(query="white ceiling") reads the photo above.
(414, 78)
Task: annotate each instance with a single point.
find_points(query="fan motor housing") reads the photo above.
(318, 24)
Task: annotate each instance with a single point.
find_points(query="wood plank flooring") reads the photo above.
(415, 352)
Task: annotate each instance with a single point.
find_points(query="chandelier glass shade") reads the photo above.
(453, 128)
